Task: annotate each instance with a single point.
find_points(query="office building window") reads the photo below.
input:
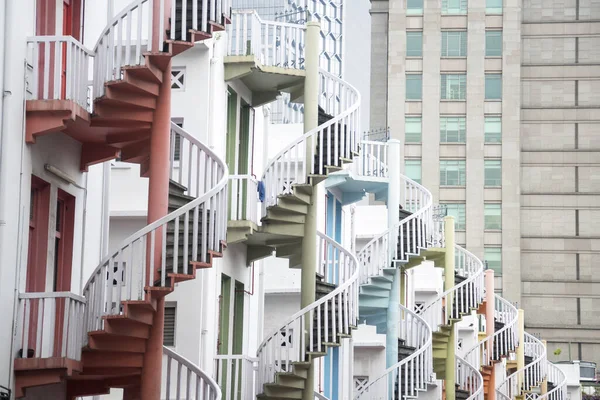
(412, 129)
(454, 6)
(493, 129)
(493, 43)
(493, 216)
(493, 86)
(454, 43)
(452, 173)
(412, 169)
(493, 259)
(493, 6)
(414, 44)
(453, 129)
(457, 210)
(414, 7)
(493, 172)
(454, 86)
(414, 87)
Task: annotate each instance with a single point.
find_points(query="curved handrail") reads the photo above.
(470, 291)
(469, 379)
(122, 275)
(558, 377)
(319, 396)
(532, 375)
(194, 384)
(338, 266)
(380, 251)
(413, 373)
(373, 159)
(338, 138)
(502, 342)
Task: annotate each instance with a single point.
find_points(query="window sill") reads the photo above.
(414, 100)
(494, 14)
(493, 57)
(414, 57)
(493, 143)
(453, 187)
(451, 100)
(459, 14)
(453, 143)
(453, 57)
(492, 230)
(492, 187)
(494, 100)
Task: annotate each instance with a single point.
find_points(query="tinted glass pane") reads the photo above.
(414, 44)
(493, 43)
(493, 86)
(413, 87)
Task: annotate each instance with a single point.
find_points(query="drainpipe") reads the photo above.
(449, 284)
(3, 133)
(393, 206)
(309, 244)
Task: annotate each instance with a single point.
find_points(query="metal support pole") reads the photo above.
(449, 284)
(544, 385)
(309, 243)
(521, 348)
(490, 309)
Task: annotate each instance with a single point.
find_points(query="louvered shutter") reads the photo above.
(169, 329)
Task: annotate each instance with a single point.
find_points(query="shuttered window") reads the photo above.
(493, 6)
(414, 7)
(493, 129)
(493, 43)
(493, 172)
(453, 129)
(454, 86)
(493, 86)
(454, 6)
(414, 87)
(454, 43)
(412, 169)
(169, 329)
(412, 128)
(452, 173)
(414, 44)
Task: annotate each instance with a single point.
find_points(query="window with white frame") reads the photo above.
(493, 6)
(493, 216)
(452, 173)
(493, 129)
(493, 43)
(414, 44)
(178, 78)
(454, 43)
(493, 86)
(454, 86)
(414, 86)
(360, 382)
(453, 129)
(419, 307)
(493, 259)
(414, 7)
(412, 169)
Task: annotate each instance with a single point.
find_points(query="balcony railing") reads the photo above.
(50, 325)
(274, 44)
(244, 198)
(373, 159)
(236, 375)
(59, 69)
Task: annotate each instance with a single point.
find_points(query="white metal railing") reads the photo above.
(559, 379)
(372, 160)
(529, 377)
(469, 378)
(319, 396)
(59, 68)
(50, 324)
(236, 376)
(413, 373)
(273, 44)
(308, 330)
(462, 298)
(184, 380)
(200, 224)
(243, 190)
(337, 138)
(212, 10)
(125, 39)
(503, 342)
(408, 237)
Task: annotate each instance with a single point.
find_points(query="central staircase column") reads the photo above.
(309, 242)
(393, 311)
(158, 201)
(490, 310)
(521, 348)
(449, 284)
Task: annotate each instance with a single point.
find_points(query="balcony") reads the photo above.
(367, 174)
(49, 338)
(243, 208)
(268, 57)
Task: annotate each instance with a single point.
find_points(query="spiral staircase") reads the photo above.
(131, 92)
